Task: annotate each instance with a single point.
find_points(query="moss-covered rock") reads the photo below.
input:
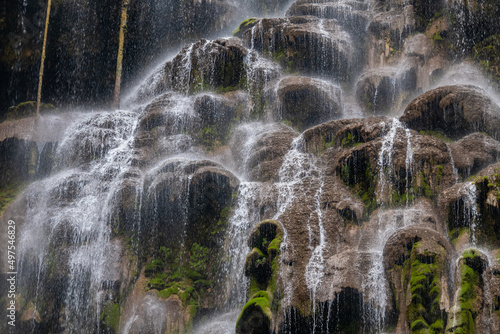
(28, 109)
(470, 297)
(264, 233)
(246, 24)
(261, 267)
(417, 260)
(255, 317)
(358, 170)
(154, 267)
(424, 312)
(487, 54)
(214, 65)
(110, 317)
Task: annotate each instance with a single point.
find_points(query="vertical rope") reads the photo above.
(40, 75)
(119, 59)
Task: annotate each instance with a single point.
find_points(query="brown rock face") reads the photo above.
(454, 110)
(233, 180)
(473, 152)
(145, 312)
(260, 148)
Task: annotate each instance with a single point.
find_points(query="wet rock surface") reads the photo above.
(455, 110)
(234, 181)
(298, 96)
(303, 43)
(383, 89)
(264, 158)
(473, 152)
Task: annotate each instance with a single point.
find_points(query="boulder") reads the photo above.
(173, 123)
(305, 44)
(259, 149)
(192, 193)
(397, 246)
(217, 115)
(204, 65)
(384, 90)
(93, 137)
(474, 152)
(418, 263)
(170, 113)
(395, 171)
(352, 15)
(306, 102)
(345, 132)
(454, 110)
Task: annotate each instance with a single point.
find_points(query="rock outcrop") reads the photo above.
(261, 174)
(454, 110)
(303, 43)
(298, 96)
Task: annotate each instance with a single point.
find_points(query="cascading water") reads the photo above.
(299, 171)
(471, 214)
(58, 209)
(387, 223)
(197, 210)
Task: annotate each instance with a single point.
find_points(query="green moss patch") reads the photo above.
(471, 266)
(9, 193)
(487, 54)
(245, 24)
(438, 134)
(351, 139)
(255, 317)
(261, 267)
(110, 317)
(154, 267)
(421, 274)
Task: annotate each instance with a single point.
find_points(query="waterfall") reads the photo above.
(59, 210)
(471, 212)
(295, 176)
